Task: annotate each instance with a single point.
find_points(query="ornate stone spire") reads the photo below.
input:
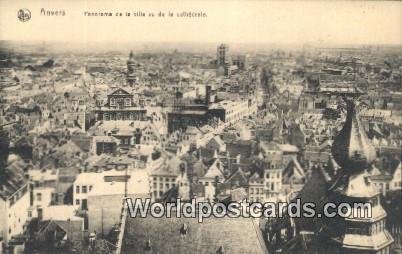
(364, 233)
(351, 148)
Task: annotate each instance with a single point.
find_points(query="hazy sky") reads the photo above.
(228, 21)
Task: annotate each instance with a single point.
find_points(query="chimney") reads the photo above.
(215, 154)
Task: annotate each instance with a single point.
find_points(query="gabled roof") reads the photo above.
(217, 140)
(239, 175)
(199, 168)
(255, 177)
(213, 171)
(294, 169)
(120, 91)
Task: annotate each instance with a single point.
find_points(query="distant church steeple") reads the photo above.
(131, 64)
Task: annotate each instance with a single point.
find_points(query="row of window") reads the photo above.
(256, 199)
(273, 175)
(127, 101)
(121, 116)
(164, 179)
(273, 186)
(256, 190)
(82, 189)
(372, 229)
(167, 185)
(207, 183)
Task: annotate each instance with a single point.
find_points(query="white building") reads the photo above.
(14, 204)
(43, 186)
(396, 182)
(231, 111)
(164, 177)
(105, 200)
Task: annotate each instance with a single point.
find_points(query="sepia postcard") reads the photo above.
(212, 127)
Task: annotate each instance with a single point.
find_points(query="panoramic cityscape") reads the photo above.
(213, 127)
(80, 132)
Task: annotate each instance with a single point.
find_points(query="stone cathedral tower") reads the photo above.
(131, 64)
(355, 154)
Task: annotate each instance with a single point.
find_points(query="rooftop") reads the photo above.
(186, 235)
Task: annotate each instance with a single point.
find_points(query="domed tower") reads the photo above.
(131, 64)
(355, 154)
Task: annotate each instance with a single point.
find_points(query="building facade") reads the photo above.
(121, 106)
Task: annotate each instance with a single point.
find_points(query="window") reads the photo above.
(77, 189)
(84, 189)
(39, 197)
(251, 191)
(90, 187)
(206, 183)
(112, 102)
(77, 202)
(29, 214)
(155, 185)
(167, 186)
(127, 102)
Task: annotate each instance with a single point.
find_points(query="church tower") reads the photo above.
(131, 64)
(355, 154)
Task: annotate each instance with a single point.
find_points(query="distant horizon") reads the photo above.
(188, 45)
